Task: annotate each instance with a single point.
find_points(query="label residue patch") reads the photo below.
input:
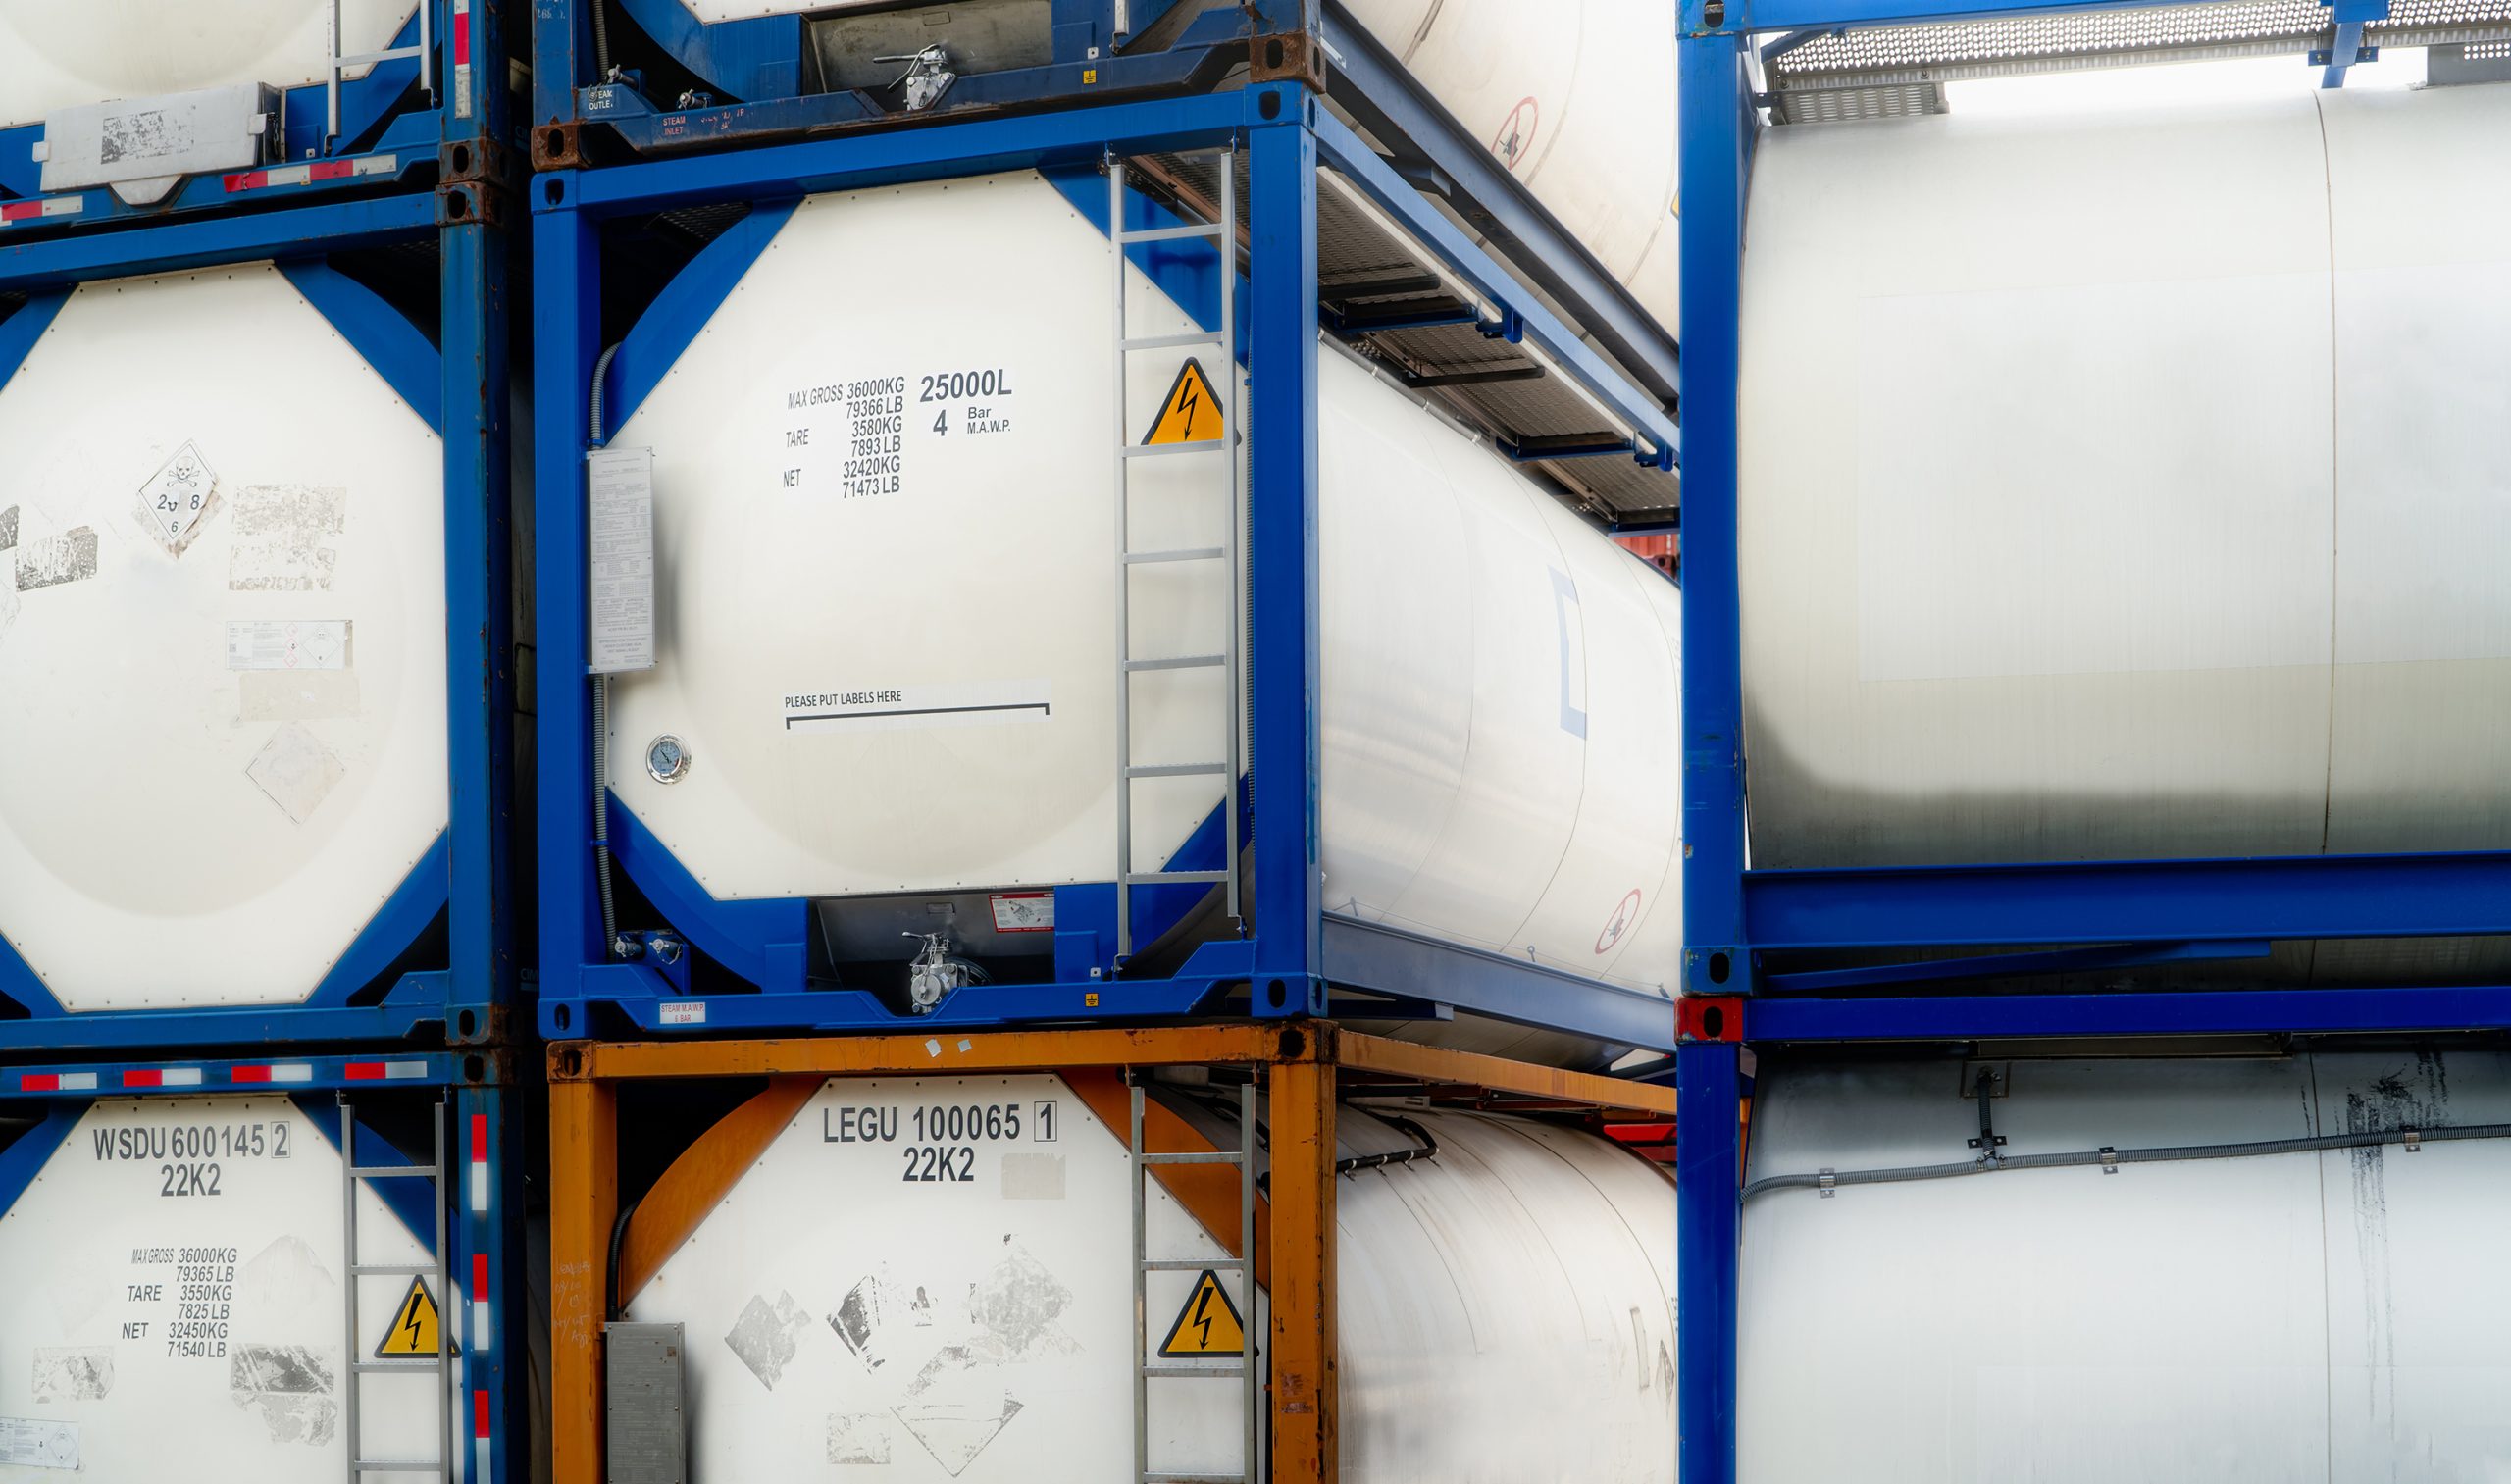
(296, 769)
(1031, 1177)
(51, 560)
(858, 1437)
(286, 537)
(287, 643)
(767, 1337)
(72, 1374)
(291, 1385)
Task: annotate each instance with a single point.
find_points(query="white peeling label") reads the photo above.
(893, 707)
(287, 643)
(1024, 911)
(176, 494)
(682, 1012)
(621, 581)
(33, 1443)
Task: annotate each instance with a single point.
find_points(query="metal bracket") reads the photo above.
(1709, 1017)
(1985, 1088)
(2108, 1160)
(1830, 1183)
(2414, 1141)
(485, 162)
(461, 203)
(557, 145)
(1289, 57)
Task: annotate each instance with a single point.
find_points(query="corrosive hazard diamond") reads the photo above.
(175, 496)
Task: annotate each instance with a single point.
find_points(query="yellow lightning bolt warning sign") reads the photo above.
(1190, 412)
(1207, 1327)
(413, 1326)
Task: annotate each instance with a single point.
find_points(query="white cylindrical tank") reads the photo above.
(2131, 486)
(55, 56)
(223, 655)
(177, 1307)
(887, 565)
(957, 1305)
(1579, 98)
(2335, 1314)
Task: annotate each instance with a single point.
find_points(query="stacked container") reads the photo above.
(1079, 601)
(257, 1132)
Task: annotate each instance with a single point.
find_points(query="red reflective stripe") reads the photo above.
(40, 1082)
(364, 1071)
(479, 1277)
(461, 37)
(250, 180)
(328, 169)
(479, 1138)
(19, 211)
(146, 1076)
(249, 1074)
(479, 1414)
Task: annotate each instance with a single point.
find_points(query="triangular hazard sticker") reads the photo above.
(1208, 1326)
(414, 1329)
(1190, 412)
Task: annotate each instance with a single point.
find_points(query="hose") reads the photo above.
(618, 1240)
(600, 40)
(601, 701)
(1992, 1163)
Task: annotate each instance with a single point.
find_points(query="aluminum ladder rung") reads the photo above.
(1165, 1477)
(364, 58)
(1196, 1369)
(1164, 450)
(391, 1270)
(399, 1465)
(397, 1363)
(1211, 230)
(1176, 877)
(438, 1175)
(1215, 1156)
(389, 1171)
(1170, 342)
(1177, 662)
(1177, 770)
(1194, 1264)
(1176, 554)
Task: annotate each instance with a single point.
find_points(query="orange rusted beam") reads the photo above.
(1431, 1063)
(944, 1053)
(1307, 1342)
(584, 1200)
(701, 1177)
(1207, 1191)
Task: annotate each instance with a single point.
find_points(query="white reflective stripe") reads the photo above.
(293, 1071)
(63, 206)
(288, 175)
(373, 165)
(479, 1459)
(180, 1076)
(479, 1187)
(72, 1082)
(405, 1069)
(482, 1331)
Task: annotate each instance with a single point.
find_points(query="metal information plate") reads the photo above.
(621, 582)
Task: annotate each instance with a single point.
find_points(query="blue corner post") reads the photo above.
(1708, 1171)
(1714, 142)
(566, 315)
(479, 655)
(1283, 649)
(1714, 136)
(487, 1149)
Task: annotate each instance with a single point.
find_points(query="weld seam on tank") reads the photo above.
(2111, 1158)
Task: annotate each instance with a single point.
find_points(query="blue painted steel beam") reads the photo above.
(1715, 123)
(1283, 643)
(1708, 1171)
(1387, 961)
(2011, 965)
(2177, 1012)
(2140, 901)
(1367, 80)
(336, 226)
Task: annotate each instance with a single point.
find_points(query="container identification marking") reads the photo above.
(1208, 1327)
(938, 1143)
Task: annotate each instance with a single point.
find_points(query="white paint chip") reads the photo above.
(296, 769)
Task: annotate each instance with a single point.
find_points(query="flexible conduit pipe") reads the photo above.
(2111, 1156)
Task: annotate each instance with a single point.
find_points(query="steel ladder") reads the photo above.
(1248, 1367)
(1222, 232)
(360, 1365)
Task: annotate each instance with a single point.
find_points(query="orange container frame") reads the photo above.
(1303, 1067)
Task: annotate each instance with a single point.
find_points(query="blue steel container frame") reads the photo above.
(384, 145)
(462, 386)
(2147, 912)
(1294, 950)
(483, 1191)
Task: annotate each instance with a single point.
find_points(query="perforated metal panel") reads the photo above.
(645, 1371)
